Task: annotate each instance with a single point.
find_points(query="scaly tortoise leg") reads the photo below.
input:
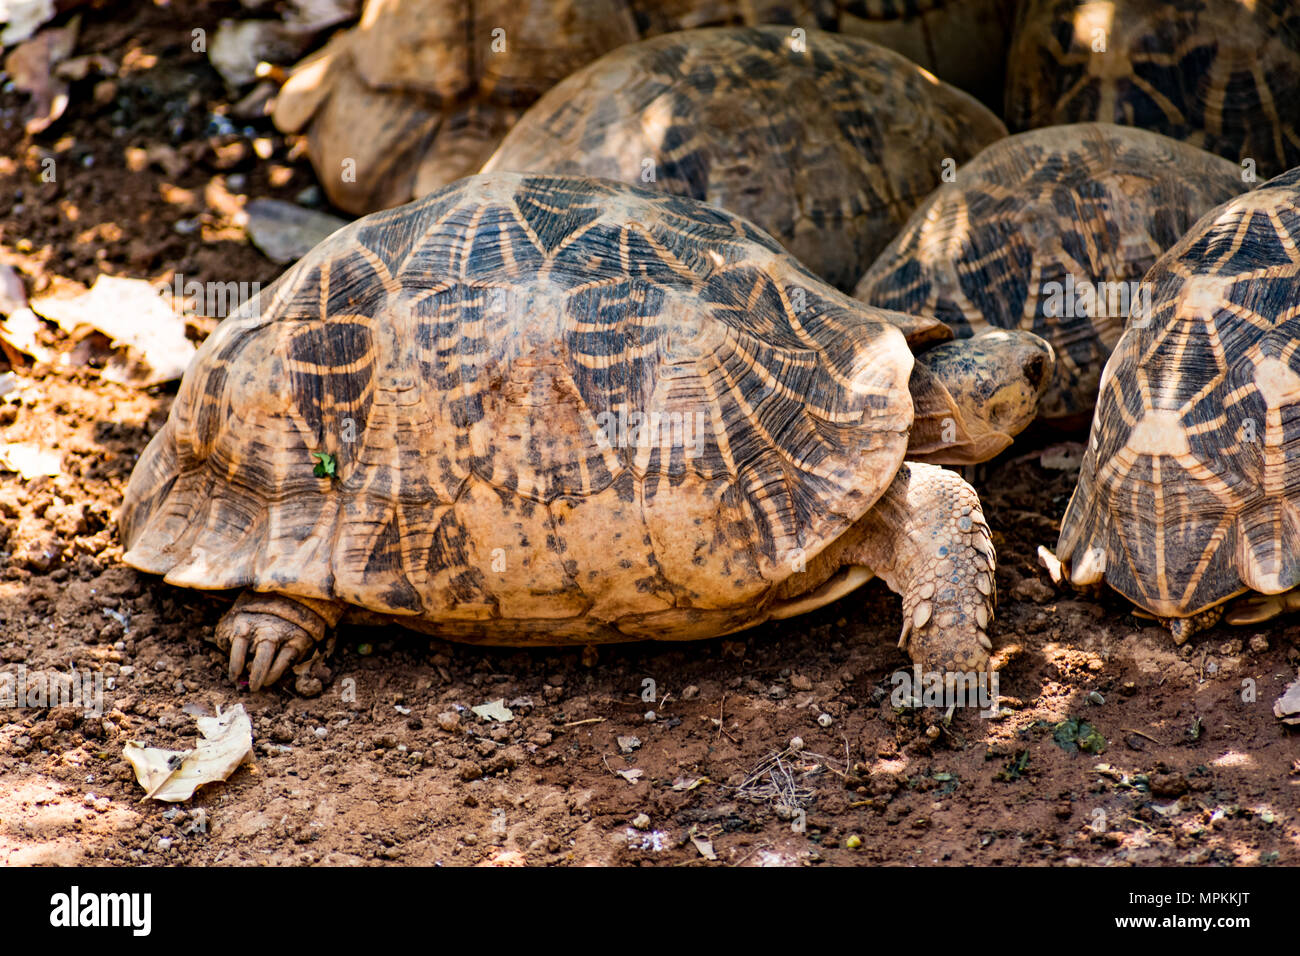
(280, 630)
(928, 540)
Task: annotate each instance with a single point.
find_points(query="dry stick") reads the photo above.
(579, 723)
(722, 728)
(761, 846)
(1147, 736)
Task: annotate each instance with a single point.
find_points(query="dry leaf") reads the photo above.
(18, 334)
(29, 461)
(705, 846)
(22, 18)
(133, 315)
(494, 710)
(226, 741)
(31, 68)
(1287, 707)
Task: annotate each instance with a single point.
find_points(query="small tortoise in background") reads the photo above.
(420, 92)
(1189, 493)
(1223, 75)
(469, 368)
(1051, 231)
(827, 142)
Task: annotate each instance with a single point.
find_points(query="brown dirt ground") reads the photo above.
(370, 770)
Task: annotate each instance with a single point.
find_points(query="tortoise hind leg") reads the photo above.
(1263, 607)
(927, 539)
(279, 629)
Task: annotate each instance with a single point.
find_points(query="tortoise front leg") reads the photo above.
(279, 628)
(927, 539)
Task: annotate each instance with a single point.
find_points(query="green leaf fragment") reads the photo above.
(325, 464)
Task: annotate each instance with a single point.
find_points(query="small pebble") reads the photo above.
(1259, 643)
(321, 732)
(641, 821)
(690, 692)
(649, 716)
(853, 842)
(1096, 698)
(825, 720)
(449, 720)
(796, 743)
(365, 650)
(164, 844)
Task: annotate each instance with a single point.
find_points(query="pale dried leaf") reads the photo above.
(31, 68)
(22, 18)
(494, 710)
(225, 742)
(29, 461)
(1287, 707)
(134, 315)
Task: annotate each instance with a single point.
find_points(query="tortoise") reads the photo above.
(1189, 493)
(420, 92)
(827, 142)
(533, 410)
(1051, 231)
(1223, 75)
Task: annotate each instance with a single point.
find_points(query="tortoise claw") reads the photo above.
(276, 644)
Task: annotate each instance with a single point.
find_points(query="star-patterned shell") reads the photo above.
(1037, 220)
(1223, 75)
(1190, 491)
(471, 365)
(827, 142)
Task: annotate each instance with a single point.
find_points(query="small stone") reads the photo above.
(690, 692)
(365, 650)
(800, 682)
(449, 720)
(628, 744)
(641, 821)
(825, 720)
(164, 844)
(126, 670)
(650, 717)
(1096, 698)
(1259, 643)
(796, 743)
(321, 732)
(777, 692)
(853, 842)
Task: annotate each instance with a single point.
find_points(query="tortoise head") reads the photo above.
(993, 384)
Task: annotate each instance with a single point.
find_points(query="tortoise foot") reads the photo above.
(279, 630)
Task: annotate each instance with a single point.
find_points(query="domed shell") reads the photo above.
(827, 142)
(420, 92)
(1190, 491)
(1223, 75)
(1050, 232)
(545, 402)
